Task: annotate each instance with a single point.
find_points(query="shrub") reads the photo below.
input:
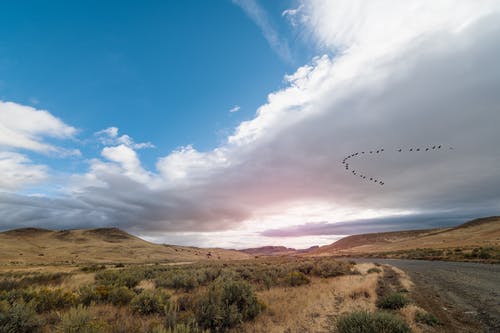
(147, 302)
(374, 270)
(227, 304)
(328, 269)
(120, 296)
(392, 301)
(47, 300)
(19, 318)
(296, 278)
(92, 268)
(127, 278)
(80, 320)
(88, 295)
(365, 322)
(426, 318)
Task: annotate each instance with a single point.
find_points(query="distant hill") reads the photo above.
(482, 232)
(102, 245)
(276, 251)
(269, 251)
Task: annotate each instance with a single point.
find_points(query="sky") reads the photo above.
(227, 123)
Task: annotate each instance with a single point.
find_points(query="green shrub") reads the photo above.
(147, 302)
(120, 296)
(328, 269)
(19, 318)
(227, 304)
(47, 300)
(374, 270)
(80, 320)
(127, 278)
(92, 268)
(296, 278)
(392, 301)
(426, 318)
(365, 322)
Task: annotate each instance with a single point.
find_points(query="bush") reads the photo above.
(227, 304)
(92, 268)
(393, 301)
(127, 278)
(47, 300)
(19, 318)
(374, 270)
(120, 296)
(426, 318)
(80, 320)
(147, 302)
(365, 322)
(328, 269)
(296, 278)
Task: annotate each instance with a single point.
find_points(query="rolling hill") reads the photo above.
(483, 232)
(102, 245)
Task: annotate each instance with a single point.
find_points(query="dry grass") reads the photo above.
(313, 307)
(69, 247)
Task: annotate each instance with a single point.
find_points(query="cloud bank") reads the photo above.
(392, 74)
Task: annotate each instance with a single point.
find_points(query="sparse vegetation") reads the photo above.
(393, 301)
(426, 318)
(374, 270)
(198, 297)
(366, 322)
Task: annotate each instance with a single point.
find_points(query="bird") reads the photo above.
(433, 147)
(371, 152)
(439, 147)
(378, 151)
(418, 149)
(426, 149)
(411, 149)
(381, 149)
(362, 152)
(399, 150)
(371, 178)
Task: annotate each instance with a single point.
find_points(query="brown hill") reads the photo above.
(269, 251)
(482, 232)
(103, 245)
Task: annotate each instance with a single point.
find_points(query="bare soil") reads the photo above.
(464, 296)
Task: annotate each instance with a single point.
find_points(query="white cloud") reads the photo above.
(235, 108)
(127, 158)
(109, 136)
(17, 171)
(24, 127)
(186, 163)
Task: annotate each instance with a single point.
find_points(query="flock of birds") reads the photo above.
(346, 159)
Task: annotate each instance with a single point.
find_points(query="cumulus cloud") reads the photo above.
(427, 74)
(24, 127)
(109, 136)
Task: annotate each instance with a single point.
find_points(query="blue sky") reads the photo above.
(118, 113)
(166, 72)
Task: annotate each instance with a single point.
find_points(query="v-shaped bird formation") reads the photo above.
(379, 151)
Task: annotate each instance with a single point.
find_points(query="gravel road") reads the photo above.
(466, 296)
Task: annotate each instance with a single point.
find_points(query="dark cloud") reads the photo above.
(383, 224)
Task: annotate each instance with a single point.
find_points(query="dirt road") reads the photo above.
(465, 296)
